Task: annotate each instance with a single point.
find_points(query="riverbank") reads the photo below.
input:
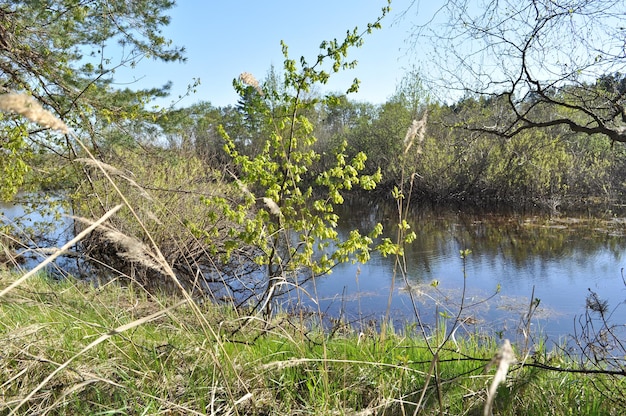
(70, 348)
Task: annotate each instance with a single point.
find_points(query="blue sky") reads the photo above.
(225, 38)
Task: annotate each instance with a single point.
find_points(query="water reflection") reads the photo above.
(38, 224)
(560, 258)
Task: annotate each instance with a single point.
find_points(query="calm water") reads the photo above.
(39, 221)
(560, 258)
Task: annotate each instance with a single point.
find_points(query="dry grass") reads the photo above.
(71, 348)
(249, 79)
(28, 107)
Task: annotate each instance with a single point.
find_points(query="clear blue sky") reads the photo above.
(225, 38)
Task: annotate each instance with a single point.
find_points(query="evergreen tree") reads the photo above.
(64, 53)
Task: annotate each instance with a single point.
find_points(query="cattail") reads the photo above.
(26, 106)
(249, 79)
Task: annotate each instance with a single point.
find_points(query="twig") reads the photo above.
(60, 251)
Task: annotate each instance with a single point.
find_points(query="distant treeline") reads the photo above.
(455, 162)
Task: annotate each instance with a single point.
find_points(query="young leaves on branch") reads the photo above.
(286, 210)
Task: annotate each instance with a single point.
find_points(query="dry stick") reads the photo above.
(60, 251)
(528, 318)
(431, 370)
(101, 339)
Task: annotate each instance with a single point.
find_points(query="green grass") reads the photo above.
(187, 361)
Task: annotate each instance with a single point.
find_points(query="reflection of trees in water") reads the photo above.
(521, 240)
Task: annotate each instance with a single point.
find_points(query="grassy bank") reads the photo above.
(70, 348)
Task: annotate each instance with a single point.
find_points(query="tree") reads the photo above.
(252, 111)
(64, 53)
(555, 63)
(292, 226)
(381, 135)
(382, 139)
(339, 120)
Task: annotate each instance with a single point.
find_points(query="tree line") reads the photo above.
(462, 159)
(540, 126)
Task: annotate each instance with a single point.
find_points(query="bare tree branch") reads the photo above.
(559, 63)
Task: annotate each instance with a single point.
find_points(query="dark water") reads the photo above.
(560, 259)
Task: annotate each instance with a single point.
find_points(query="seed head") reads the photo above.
(249, 79)
(273, 206)
(416, 129)
(26, 106)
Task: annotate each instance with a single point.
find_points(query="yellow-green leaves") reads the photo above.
(13, 153)
(292, 226)
(388, 247)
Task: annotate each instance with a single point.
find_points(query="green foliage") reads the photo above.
(290, 223)
(381, 135)
(340, 120)
(64, 54)
(177, 364)
(194, 129)
(166, 213)
(381, 139)
(461, 162)
(13, 153)
(529, 165)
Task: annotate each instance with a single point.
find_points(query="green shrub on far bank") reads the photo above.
(191, 360)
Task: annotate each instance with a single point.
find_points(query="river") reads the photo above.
(39, 222)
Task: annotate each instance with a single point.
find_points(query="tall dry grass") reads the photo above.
(29, 108)
(108, 349)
